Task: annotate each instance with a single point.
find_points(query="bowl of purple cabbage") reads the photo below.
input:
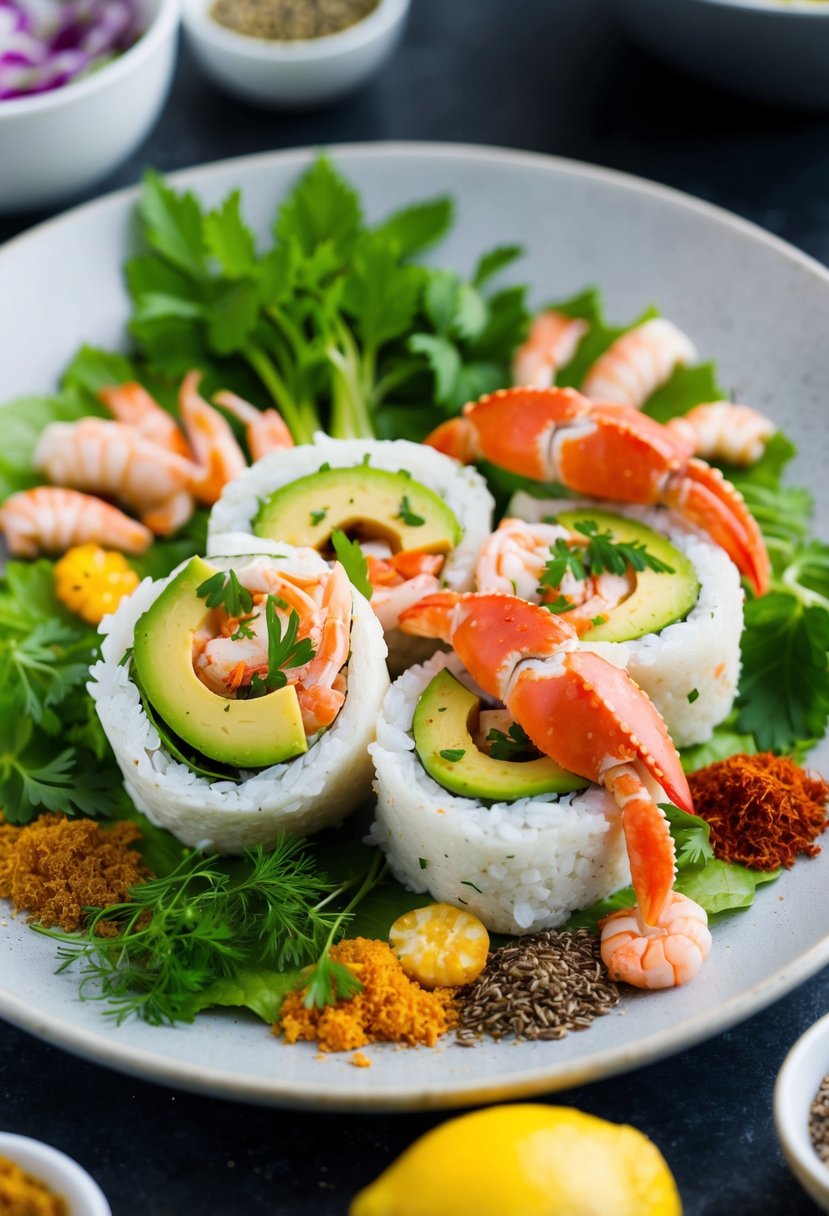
(81, 84)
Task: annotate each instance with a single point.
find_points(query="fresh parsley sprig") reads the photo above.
(601, 553)
(223, 590)
(615, 556)
(508, 746)
(284, 650)
(353, 560)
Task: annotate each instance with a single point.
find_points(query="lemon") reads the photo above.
(525, 1161)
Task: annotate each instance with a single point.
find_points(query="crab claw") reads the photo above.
(586, 714)
(702, 495)
(610, 452)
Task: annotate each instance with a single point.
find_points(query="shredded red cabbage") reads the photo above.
(48, 43)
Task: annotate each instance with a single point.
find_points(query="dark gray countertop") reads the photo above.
(554, 76)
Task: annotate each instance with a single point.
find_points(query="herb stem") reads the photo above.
(267, 373)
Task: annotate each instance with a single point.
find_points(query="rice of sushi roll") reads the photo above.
(419, 516)
(522, 865)
(690, 668)
(261, 764)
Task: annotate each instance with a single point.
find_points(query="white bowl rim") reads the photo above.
(160, 27)
(777, 8)
(62, 1165)
(374, 25)
(794, 1136)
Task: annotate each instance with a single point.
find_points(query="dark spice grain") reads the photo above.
(819, 1121)
(538, 988)
(290, 20)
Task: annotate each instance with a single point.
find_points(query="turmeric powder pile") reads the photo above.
(391, 1008)
(23, 1195)
(763, 810)
(55, 867)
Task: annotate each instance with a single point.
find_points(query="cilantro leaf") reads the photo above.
(352, 559)
(284, 650)
(605, 553)
(228, 238)
(409, 517)
(493, 262)
(784, 687)
(328, 983)
(563, 557)
(510, 745)
(415, 228)
(452, 754)
(223, 590)
(321, 209)
(173, 225)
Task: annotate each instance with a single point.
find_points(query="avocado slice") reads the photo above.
(246, 734)
(658, 599)
(363, 502)
(443, 721)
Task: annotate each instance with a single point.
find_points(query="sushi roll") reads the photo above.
(522, 844)
(677, 632)
(240, 695)
(420, 518)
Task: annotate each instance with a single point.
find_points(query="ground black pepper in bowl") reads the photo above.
(290, 20)
(540, 987)
(819, 1121)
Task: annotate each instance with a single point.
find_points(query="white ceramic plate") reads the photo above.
(756, 305)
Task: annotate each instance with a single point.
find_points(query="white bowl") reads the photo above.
(54, 144)
(797, 1084)
(775, 50)
(60, 1173)
(306, 72)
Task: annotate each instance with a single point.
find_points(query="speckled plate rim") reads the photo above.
(269, 1090)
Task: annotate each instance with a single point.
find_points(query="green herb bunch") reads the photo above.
(183, 940)
(54, 755)
(333, 323)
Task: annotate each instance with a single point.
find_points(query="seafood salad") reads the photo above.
(386, 665)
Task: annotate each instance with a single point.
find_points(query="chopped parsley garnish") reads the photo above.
(605, 553)
(318, 516)
(558, 605)
(225, 591)
(408, 515)
(693, 696)
(243, 631)
(284, 650)
(422, 862)
(325, 467)
(507, 746)
(598, 620)
(353, 561)
(601, 553)
(452, 754)
(466, 883)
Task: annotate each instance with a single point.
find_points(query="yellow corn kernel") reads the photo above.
(91, 581)
(440, 946)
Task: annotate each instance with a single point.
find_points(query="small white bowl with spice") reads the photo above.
(292, 53)
(801, 1111)
(56, 1182)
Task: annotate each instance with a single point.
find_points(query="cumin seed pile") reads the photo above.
(290, 20)
(538, 988)
(819, 1121)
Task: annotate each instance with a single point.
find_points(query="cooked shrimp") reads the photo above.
(663, 955)
(50, 519)
(131, 404)
(322, 602)
(553, 341)
(719, 430)
(265, 430)
(513, 559)
(638, 363)
(213, 443)
(110, 458)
